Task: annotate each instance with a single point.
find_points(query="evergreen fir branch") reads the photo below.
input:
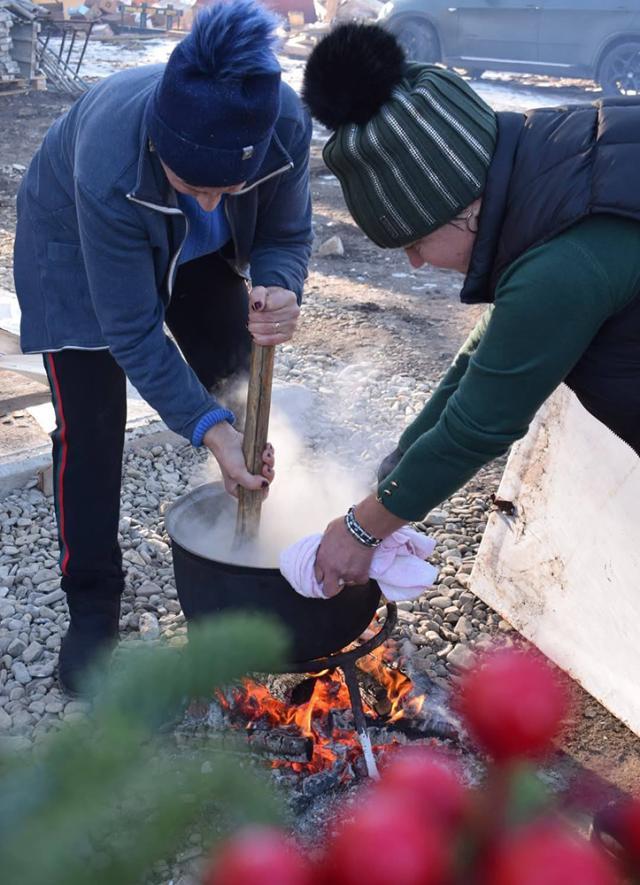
(107, 797)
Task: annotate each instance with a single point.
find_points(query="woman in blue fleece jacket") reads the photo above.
(174, 195)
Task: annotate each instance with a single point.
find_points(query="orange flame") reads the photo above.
(329, 695)
(397, 685)
(313, 719)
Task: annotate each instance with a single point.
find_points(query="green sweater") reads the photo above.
(549, 305)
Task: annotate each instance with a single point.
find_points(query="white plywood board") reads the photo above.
(565, 569)
(31, 366)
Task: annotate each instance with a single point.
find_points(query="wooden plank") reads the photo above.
(296, 50)
(563, 570)
(21, 50)
(29, 365)
(19, 403)
(24, 38)
(9, 341)
(13, 87)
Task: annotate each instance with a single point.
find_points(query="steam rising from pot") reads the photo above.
(310, 488)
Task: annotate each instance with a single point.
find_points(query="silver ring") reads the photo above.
(341, 582)
(277, 325)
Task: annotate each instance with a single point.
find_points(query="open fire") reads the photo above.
(320, 712)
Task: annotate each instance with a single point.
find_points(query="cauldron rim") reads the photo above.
(173, 514)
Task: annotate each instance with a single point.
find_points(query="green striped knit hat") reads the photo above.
(411, 143)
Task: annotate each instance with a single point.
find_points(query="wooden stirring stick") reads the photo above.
(255, 438)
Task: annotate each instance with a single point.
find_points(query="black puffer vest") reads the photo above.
(552, 168)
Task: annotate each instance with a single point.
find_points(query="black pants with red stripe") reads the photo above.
(207, 317)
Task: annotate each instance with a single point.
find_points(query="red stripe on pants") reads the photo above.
(63, 460)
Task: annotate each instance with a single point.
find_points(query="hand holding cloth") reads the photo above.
(398, 565)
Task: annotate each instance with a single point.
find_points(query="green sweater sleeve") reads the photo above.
(549, 305)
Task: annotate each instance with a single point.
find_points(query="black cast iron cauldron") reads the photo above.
(317, 627)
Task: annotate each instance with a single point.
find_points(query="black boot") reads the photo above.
(92, 633)
(613, 829)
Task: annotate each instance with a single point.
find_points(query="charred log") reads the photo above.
(418, 730)
(279, 743)
(316, 784)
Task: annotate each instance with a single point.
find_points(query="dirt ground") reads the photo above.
(363, 303)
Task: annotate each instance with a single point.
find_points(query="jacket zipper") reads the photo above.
(167, 210)
(245, 190)
(225, 208)
(176, 257)
(232, 264)
(241, 193)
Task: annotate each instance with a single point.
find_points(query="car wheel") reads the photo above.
(418, 39)
(620, 70)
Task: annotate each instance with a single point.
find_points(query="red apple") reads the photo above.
(549, 854)
(386, 843)
(430, 781)
(259, 856)
(513, 704)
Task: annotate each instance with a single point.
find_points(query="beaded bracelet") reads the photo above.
(355, 529)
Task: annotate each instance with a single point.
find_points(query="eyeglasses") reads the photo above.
(470, 220)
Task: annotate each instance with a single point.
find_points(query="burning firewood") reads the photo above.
(307, 724)
(279, 743)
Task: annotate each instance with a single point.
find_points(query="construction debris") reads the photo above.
(19, 28)
(143, 19)
(345, 10)
(303, 38)
(62, 63)
(9, 68)
(21, 9)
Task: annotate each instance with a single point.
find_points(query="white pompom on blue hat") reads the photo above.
(212, 115)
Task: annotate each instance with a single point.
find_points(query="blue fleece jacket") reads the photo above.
(99, 236)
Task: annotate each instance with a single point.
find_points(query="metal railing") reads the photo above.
(61, 65)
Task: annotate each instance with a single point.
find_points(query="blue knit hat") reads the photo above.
(212, 114)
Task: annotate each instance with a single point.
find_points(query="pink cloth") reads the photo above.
(398, 565)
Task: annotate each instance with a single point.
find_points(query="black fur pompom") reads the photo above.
(351, 73)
